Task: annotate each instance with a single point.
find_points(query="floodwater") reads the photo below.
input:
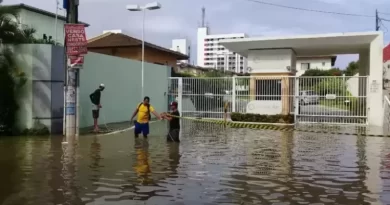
(211, 165)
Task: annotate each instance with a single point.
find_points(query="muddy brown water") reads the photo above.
(211, 165)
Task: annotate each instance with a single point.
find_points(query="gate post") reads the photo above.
(296, 100)
(234, 94)
(180, 95)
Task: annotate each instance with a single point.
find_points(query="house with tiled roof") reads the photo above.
(124, 46)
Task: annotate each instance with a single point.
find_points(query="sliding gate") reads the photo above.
(325, 99)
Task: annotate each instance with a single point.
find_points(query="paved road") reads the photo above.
(327, 113)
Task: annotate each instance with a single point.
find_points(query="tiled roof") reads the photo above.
(108, 40)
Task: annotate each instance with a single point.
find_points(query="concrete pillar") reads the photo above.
(375, 91)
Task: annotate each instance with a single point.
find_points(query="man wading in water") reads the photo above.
(142, 123)
(174, 123)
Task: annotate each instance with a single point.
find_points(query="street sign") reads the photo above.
(75, 39)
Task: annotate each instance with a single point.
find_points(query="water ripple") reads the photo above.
(212, 165)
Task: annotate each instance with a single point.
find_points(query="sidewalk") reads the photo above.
(106, 128)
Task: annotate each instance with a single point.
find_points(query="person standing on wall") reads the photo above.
(143, 111)
(95, 99)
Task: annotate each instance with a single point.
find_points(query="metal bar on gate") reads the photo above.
(180, 95)
(234, 94)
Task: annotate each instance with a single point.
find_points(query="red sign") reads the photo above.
(75, 39)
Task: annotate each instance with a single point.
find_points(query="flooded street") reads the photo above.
(211, 165)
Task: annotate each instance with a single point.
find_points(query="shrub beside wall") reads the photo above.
(240, 117)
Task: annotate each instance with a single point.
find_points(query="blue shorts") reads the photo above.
(141, 127)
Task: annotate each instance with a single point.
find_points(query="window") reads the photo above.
(323, 63)
(305, 66)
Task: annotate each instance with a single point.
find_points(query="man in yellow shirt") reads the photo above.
(142, 123)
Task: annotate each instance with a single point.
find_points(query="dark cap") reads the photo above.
(174, 103)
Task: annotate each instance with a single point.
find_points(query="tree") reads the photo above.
(352, 68)
(11, 79)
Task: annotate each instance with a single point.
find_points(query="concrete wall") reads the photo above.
(271, 61)
(45, 24)
(122, 78)
(315, 63)
(42, 97)
(41, 101)
(353, 85)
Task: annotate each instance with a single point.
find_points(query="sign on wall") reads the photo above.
(76, 44)
(264, 107)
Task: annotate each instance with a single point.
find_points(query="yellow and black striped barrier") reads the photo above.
(279, 127)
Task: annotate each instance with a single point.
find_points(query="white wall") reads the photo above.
(271, 61)
(375, 91)
(315, 63)
(353, 85)
(43, 24)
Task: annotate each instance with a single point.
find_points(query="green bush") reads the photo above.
(36, 132)
(241, 117)
(318, 72)
(335, 86)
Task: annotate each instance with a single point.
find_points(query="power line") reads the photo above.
(310, 10)
(384, 13)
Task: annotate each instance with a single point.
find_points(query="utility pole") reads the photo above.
(72, 82)
(376, 20)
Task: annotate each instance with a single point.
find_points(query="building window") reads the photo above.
(305, 66)
(323, 63)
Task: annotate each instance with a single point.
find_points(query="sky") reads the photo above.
(181, 18)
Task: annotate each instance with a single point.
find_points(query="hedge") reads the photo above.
(240, 117)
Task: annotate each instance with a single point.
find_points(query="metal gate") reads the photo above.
(331, 100)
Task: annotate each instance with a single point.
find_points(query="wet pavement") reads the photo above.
(212, 165)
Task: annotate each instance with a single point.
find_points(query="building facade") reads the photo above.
(182, 46)
(44, 22)
(213, 55)
(305, 63)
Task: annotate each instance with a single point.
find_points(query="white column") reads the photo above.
(234, 94)
(180, 95)
(375, 91)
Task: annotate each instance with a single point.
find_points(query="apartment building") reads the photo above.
(305, 63)
(210, 54)
(182, 46)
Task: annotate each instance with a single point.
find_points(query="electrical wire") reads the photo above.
(383, 26)
(310, 10)
(384, 13)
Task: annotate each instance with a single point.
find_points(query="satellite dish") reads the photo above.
(249, 69)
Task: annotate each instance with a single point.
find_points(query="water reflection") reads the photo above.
(141, 166)
(211, 165)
